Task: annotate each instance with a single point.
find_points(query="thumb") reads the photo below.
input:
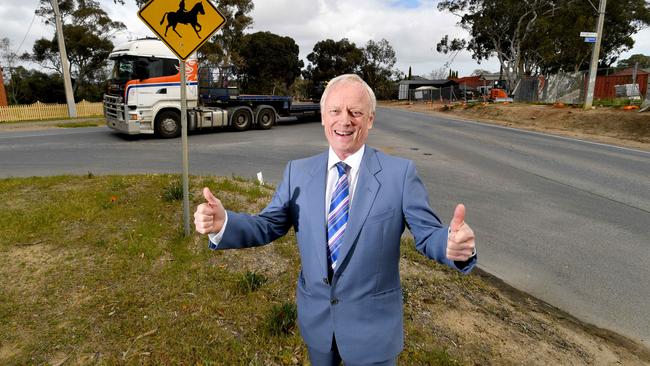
(212, 200)
(459, 217)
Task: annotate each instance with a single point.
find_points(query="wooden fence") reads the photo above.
(39, 111)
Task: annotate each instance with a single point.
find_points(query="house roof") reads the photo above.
(471, 81)
(425, 82)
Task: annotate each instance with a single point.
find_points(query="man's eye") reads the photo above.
(334, 111)
(357, 114)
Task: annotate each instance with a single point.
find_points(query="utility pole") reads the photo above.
(593, 67)
(67, 84)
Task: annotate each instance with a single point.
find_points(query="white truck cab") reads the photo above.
(144, 88)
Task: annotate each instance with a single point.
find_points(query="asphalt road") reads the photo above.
(565, 220)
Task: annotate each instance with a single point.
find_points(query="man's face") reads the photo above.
(347, 118)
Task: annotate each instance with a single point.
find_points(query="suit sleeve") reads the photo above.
(428, 232)
(244, 230)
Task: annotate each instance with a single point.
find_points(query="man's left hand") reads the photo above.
(460, 243)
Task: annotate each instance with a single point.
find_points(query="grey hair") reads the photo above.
(349, 78)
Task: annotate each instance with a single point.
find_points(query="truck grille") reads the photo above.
(114, 107)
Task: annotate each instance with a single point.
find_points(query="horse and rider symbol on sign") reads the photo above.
(184, 17)
(190, 28)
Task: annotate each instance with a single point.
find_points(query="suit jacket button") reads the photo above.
(326, 281)
(334, 301)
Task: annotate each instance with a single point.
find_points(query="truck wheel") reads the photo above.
(241, 119)
(266, 118)
(168, 124)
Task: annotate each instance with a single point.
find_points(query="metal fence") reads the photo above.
(624, 86)
(40, 111)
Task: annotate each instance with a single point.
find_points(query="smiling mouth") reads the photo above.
(343, 133)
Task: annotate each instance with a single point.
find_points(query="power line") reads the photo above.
(26, 34)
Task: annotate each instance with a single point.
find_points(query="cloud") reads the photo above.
(413, 27)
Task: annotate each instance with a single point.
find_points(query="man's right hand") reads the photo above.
(209, 217)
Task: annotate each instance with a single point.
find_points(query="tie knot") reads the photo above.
(342, 168)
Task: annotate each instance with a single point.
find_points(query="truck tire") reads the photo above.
(168, 124)
(265, 117)
(241, 118)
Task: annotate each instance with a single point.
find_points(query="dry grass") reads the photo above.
(96, 271)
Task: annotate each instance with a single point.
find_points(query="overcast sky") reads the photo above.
(412, 27)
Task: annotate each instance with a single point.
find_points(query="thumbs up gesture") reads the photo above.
(209, 216)
(460, 243)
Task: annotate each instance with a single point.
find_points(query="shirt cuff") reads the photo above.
(215, 238)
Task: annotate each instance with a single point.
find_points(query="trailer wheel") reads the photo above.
(168, 124)
(241, 119)
(266, 118)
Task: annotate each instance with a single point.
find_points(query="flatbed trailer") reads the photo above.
(144, 96)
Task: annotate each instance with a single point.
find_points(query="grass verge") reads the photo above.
(95, 269)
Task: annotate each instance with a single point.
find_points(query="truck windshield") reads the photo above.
(125, 68)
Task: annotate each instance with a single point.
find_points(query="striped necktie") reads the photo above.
(337, 219)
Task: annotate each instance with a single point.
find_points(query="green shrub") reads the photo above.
(173, 192)
(282, 319)
(250, 282)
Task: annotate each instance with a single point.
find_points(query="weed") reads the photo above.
(250, 282)
(173, 192)
(282, 319)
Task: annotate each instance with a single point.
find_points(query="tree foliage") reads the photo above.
(331, 58)
(87, 31)
(29, 86)
(642, 60)
(377, 67)
(374, 63)
(533, 36)
(270, 63)
(221, 51)
(9, 59)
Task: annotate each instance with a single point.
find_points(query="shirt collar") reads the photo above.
(354, 160)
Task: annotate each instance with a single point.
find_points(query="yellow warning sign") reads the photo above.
(183, 28)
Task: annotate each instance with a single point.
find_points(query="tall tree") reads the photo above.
(557, 46)
(87, 30)
(9, 58)
(499, 27)
(529, 36)
(222, 49)
(331, 58)
(271, 63)
(377, 67)
(31, 86)
(439, 73)
(642, 60)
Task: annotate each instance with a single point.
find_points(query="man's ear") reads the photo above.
(371, 120)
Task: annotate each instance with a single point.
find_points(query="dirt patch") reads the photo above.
(487, 322)
(46, 125)
(626, 128)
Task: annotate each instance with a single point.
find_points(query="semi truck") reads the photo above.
(143, 96)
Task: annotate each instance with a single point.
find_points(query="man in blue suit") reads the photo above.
(349, 207)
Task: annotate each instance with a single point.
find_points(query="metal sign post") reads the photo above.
(183, 30)
(186, 164)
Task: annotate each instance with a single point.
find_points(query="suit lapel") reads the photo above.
(315, 191)
(364, 196)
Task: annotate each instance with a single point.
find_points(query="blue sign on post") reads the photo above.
(590, 39)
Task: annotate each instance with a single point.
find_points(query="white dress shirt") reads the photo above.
(354, 162)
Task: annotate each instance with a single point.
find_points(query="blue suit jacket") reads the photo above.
(362, 306)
